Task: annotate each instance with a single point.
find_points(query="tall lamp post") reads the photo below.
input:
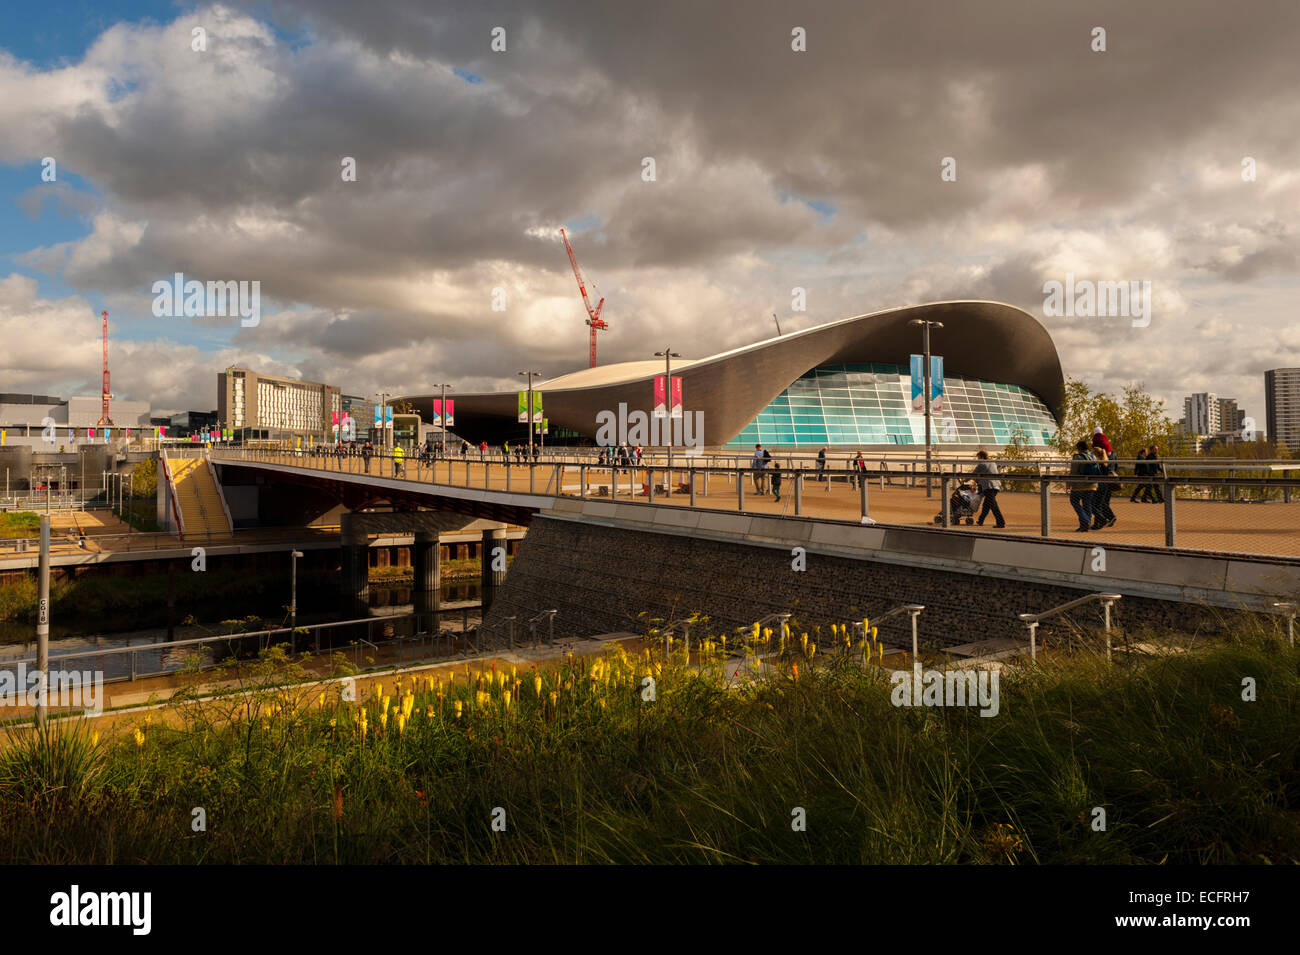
(293, 588)
(383, 419)
(926, 325)
(528, 409)
(668, 355)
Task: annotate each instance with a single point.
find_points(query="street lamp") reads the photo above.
(383, 397)
(293, 588)
(528, 409)
(926, 325)
(668, 355)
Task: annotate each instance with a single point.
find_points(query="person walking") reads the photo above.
(399, 459)
(367, 450)
(1139, 470)
(482, 450)
(821, 465)
(776, 482)
(989, 486)
(1102, 515)
(757, 463)
(860, 470)
(1156, 471)
(1082, 469)
(506, 449)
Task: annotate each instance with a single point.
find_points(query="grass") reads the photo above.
(589, 771)
(14, 524)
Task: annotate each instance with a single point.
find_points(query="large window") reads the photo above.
(865, 404)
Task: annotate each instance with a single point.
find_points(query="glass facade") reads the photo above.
(868, 405)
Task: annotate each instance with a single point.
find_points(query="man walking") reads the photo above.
(757, 463)
(989, 487)
(821, 465)
(1083, 484)
(1139, 470)
(1156, 471)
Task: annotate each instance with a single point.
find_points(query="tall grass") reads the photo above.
(587, 770)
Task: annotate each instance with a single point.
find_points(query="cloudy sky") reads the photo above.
(774, 168)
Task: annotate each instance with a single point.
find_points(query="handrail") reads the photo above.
(171, 494)
(1289, 609)
(532, 626)
(1031, 620)
(914, 610)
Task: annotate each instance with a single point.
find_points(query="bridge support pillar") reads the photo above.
(493, 553)
(354, 569)
(427, 563)
(354, 580)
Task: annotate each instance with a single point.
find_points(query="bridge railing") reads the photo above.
(1262, 512)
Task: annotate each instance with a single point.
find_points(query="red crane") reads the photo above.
(104, 419)
(593, 314)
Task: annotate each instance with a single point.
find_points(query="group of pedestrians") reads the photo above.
(1095, 475)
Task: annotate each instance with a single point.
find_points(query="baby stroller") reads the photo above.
(965, 501)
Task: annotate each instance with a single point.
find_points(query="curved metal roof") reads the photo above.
(988, 340)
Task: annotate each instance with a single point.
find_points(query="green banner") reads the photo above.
(523, 407)
(537, 406)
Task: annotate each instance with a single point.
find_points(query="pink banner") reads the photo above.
(659, 402)
(451, 413)
(677, 397)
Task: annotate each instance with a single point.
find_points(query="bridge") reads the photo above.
(605, 540)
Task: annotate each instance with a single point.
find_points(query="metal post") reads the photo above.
(1033, 639)
(740, 489)
(945, 506)
(798, 493)
(1171, 531)
(862, 494)
(650, 484)
(690, 477)
(1105, 606)
(43, 623)
(1044, 505)
(582, 481)
(293, 588)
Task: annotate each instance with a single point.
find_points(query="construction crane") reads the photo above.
(593, 314)
(104, 419)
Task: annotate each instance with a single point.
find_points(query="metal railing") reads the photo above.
(692, 482)
(912, 610)
(1031, 620)
(399, 632)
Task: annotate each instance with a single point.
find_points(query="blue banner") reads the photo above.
(936, 384)
(918, 383)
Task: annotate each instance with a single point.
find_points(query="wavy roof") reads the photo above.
(988, 340)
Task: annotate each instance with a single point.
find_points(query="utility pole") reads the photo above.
(926, 325)
(529, 409)
(668, 355)
(43, 621)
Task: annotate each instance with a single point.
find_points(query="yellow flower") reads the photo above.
(506, 698)
(428, 711)
(139, 737)
(812, 650)
(385, 703)
(805, 643)
(537, 686)
(602, 702)
(364, 728)
(94, 738)
(554, 697)
(458, 705)
(383, 719)
(401, 723)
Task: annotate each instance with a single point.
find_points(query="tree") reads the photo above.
(1133, 421)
